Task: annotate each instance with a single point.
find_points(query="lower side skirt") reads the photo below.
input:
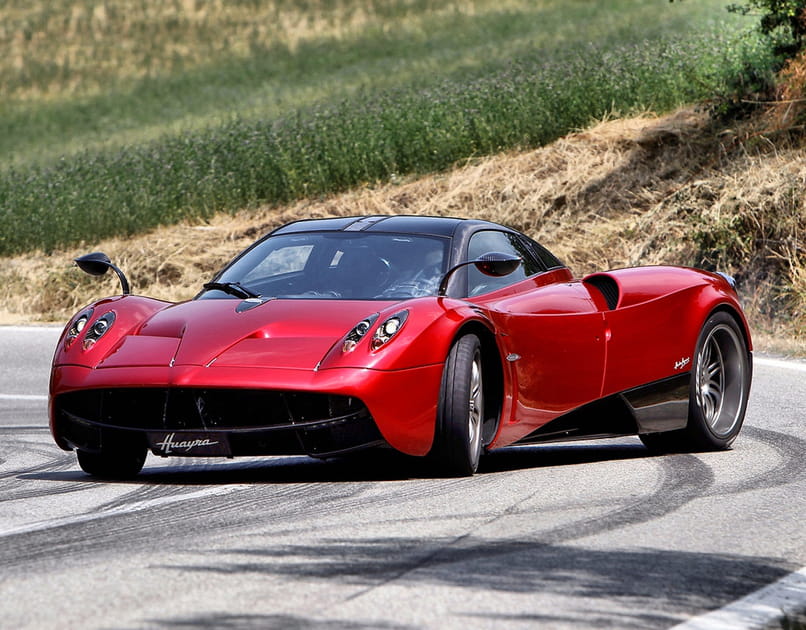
(656, 407)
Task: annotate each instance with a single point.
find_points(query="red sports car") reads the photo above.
(430, 335)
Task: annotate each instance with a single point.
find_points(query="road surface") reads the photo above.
(578, 535)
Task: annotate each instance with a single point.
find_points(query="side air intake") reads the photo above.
(607, 287)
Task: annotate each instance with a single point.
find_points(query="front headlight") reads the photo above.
(358, 331)
(99, 329)
(388, 329)
(78, 325)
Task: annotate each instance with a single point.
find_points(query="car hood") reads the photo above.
(294, 334)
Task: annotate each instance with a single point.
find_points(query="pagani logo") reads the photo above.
(168, 445)
(679, 365)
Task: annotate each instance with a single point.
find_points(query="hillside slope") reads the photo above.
(647, 190)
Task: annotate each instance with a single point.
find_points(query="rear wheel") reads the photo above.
(720, 384)
(460, 414)
(118, 464)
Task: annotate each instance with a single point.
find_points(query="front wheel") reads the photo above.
(123, 464)
(460, 413)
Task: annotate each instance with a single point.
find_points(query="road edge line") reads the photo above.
(757, 610)
(786, 364)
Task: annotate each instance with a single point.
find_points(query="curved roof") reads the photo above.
(406, 224)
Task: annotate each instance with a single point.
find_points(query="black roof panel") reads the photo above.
(403, 224)
(409, 224)
(316, 225)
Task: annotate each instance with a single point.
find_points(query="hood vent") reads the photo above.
(250, 303)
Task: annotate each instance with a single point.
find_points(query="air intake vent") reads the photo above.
(607, 287)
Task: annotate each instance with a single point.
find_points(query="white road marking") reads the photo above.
(23, 397)
(130, 508)
(48, 328)
(786, 364)
(757, 610)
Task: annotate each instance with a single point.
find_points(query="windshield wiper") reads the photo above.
(233, 288)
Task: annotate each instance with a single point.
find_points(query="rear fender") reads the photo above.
(657, 339)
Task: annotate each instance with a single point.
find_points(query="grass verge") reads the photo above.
(646, 190)
(336, 146)
(80, 74)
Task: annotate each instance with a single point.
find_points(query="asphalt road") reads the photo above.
(580, 535)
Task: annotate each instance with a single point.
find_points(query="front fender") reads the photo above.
(424, 339)
(130, 313)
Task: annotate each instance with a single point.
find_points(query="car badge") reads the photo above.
(679, 365)
(169, 444)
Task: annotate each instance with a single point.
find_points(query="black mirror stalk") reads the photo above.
(97, 264)
(494, 264)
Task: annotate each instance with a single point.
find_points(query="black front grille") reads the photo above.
(214, 409)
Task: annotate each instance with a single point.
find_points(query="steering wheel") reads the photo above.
(378, 274)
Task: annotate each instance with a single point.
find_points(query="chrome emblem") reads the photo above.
(679, 365)
(168, 445)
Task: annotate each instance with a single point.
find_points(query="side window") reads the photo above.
(488, 241)
(545, 256)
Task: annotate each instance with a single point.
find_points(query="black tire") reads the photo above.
(460, 413)
(720, 385)
(119, 464)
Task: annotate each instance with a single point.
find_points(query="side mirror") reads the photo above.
(97, 264)
(495, 264)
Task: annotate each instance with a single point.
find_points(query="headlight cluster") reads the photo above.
(383, 333)
(388, 329)
(78, 325)
(355, 335)
(94, 332)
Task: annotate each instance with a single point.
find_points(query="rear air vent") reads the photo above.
(607, 287)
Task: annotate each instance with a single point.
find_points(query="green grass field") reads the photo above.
(119, 116)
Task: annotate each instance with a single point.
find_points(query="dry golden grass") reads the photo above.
(787, 113)
(645, 190)
(75, 47)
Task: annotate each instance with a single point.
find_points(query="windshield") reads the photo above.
(337, 265)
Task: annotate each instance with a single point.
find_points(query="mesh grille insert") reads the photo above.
(189, 408)
(607, 287)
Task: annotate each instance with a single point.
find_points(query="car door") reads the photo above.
(551, 334)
